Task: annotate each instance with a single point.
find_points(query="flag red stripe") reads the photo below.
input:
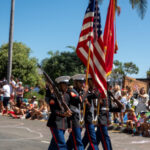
(88, 19)
(86, 31)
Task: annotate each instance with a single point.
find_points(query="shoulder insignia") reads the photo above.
(73, 94)
(52, 102)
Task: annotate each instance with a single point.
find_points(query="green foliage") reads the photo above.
(29, 95)
(72, 47)
(139, 5)
(64, 63)
(130, 68)
(148, 73)
(23, 67)
(122, 69)
(118, 67)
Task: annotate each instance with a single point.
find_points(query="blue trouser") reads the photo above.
(74, 141)
(102, 136)
(58, 140)
(90, 136)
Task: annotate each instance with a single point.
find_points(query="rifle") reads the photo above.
(60, 99)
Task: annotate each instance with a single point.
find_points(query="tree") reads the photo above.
(122, 69)
(117, 72)
(130, 68)
(64, 63)
(139, 5)
(148, 73)
(23, 67)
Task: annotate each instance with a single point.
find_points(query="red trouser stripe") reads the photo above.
(90, 137)
(74, 140)
(103, 139)
(54, 137)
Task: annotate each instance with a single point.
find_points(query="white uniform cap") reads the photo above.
(20, 83)
(63, 79)
(80, 77)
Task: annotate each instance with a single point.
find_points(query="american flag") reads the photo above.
(90, 37)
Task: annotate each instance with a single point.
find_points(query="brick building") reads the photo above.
(136, 84)
(146, 80)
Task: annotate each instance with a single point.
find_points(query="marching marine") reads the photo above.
(58, 117)
(75, 140)
(90, 135)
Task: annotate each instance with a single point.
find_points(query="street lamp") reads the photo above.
(9, 66)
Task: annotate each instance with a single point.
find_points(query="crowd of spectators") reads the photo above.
(13, 103)
(136, 113)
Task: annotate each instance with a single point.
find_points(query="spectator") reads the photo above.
(117, 95)
(146, 127)
(36, 89)
(1, 97)
(6, 89)
(132, 120)
(117, 92)
(129, 96)
(19, 94)
(19, 112)
(143, 99)
(33, 102)
(31, 107)
(17, 82)
(12, 88)
(124, 102)
(149, 91)
(148, 105)
(141, 124)
(42, 112)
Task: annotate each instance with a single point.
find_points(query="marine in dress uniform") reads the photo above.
(102, 130)
(58, 118)
(90, 135)
(75, 140)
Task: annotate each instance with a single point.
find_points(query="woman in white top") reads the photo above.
(142, 101)
(124, 102)
(6, 89)
(117, 95)
(129, 96)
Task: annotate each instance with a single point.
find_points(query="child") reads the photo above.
(131, 119)
(142, 124)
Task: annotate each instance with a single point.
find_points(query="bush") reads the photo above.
(29, 95)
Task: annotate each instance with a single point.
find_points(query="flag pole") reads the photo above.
(87, 72)
(88, 63)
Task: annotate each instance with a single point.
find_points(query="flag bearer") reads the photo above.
(74, 140)
(90, 135)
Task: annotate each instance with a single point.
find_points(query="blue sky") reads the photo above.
(45, 25)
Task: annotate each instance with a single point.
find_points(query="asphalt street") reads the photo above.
(16, 134)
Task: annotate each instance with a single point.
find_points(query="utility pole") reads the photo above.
(11, 30)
